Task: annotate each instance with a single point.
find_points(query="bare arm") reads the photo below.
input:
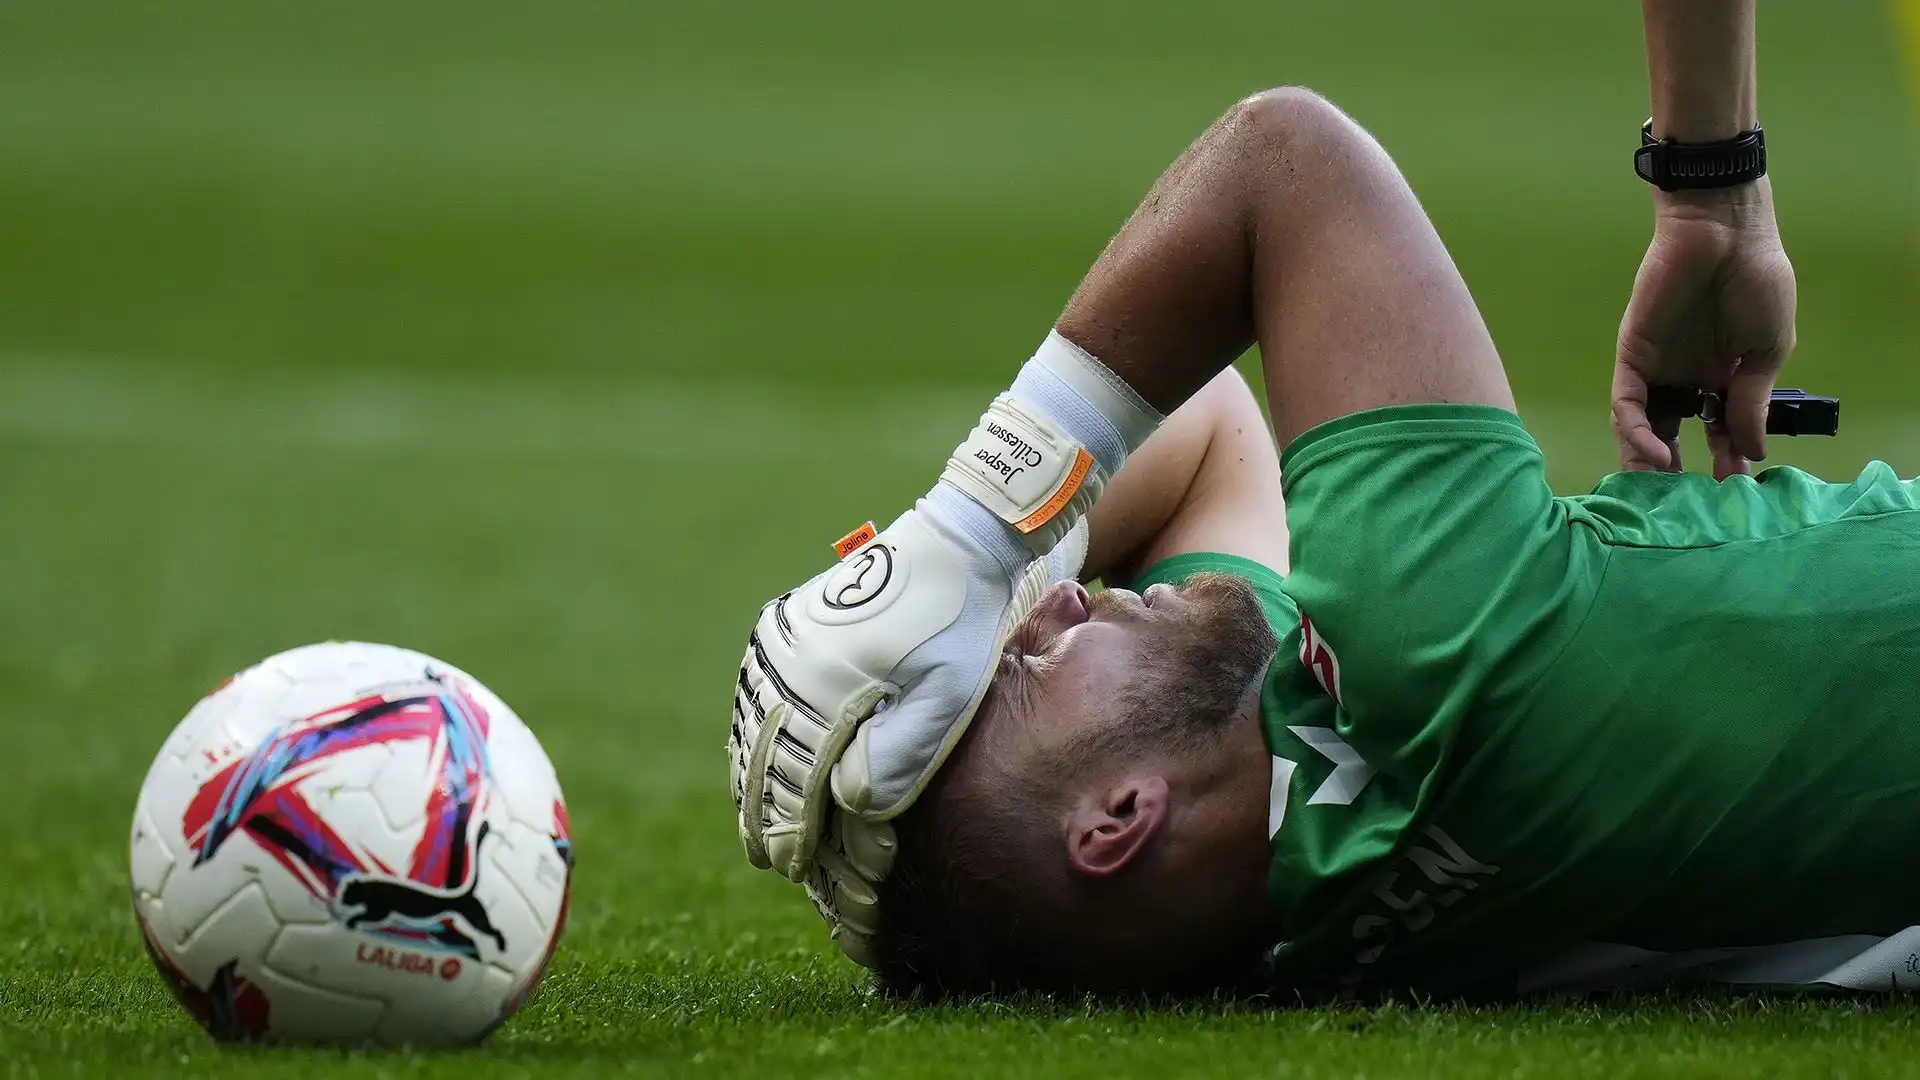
(1285, 223)
(1208, 480)
(1700, 65)
(1713, 303)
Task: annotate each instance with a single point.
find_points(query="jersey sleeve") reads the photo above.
(1434, 572)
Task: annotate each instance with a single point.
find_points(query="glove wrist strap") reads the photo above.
(1026, 470)
(1044, 451)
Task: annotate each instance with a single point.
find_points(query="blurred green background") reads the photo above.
(553, 338)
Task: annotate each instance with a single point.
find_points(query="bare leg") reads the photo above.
(1287, 225)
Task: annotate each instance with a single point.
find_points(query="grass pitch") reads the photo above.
(554, 348)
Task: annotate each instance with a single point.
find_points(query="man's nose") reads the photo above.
(1065, 605)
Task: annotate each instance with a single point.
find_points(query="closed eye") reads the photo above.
(1028, 639)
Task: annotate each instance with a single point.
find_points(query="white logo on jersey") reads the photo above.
(1443, 863)
(1277, 797)
(1350, 771)
(1317, 656)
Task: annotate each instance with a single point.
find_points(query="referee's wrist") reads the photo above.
(1693, 130)
(1748, 205)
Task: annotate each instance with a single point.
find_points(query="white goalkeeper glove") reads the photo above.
(856, 850)
(856, 685)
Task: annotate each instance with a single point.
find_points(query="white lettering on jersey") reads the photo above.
(1277, 804)
(1317, 656)
(1350, 771)
(1407, 909)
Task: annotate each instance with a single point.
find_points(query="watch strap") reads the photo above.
(1672, 166)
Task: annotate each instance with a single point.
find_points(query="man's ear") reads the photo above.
(1105, 835)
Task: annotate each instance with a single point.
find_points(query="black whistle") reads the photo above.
(1789, 412)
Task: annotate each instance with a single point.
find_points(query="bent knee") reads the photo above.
(1293, 140)
(1302, 127)
(1287, 112)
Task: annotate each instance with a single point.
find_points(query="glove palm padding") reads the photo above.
(917, 614)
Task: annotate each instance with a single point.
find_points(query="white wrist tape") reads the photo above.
(1045, 449)
(1092, 403)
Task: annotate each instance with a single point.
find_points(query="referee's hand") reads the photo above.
(1712, 308)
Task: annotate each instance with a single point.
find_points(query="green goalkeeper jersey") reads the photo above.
(1520, 742)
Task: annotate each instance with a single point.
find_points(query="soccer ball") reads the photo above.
(351, 843)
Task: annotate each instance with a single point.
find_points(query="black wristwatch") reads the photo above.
(1673, 166)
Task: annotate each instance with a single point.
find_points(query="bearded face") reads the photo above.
(984, 896)
(1119, 671)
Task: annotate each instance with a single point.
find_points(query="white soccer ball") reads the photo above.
(351, 843)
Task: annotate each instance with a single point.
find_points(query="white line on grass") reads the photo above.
(63, 401)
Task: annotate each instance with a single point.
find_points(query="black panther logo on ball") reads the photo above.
(262, 795)
(381, 900)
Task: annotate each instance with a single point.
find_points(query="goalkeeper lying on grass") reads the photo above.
(1478, 739)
